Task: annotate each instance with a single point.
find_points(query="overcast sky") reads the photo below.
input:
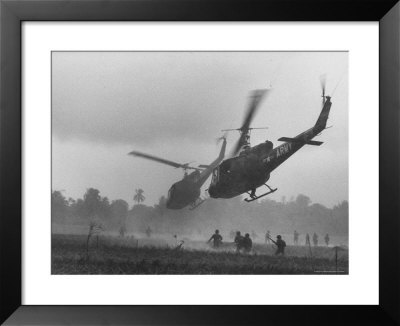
(174, 104)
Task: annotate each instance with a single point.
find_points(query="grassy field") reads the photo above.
(114, 255)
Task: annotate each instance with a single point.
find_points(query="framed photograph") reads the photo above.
(199, 163)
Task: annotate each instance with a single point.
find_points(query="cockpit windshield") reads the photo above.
(170, 192)
(215, 174)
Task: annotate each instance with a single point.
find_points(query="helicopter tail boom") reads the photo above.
(296, 140)
(207, 172)
(323, 116)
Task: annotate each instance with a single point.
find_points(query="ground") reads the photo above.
(129, 255)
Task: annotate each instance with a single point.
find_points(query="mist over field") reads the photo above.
(283, 217)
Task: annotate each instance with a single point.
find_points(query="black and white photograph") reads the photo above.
(200, 162)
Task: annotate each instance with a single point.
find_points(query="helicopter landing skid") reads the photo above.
(196, 204)
(252, 198)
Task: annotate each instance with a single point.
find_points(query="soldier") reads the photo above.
(307, 239)
(295, 237)
(238, 241)
(247, 243)
(122, 231)
(268, 237)
(327, 239)
(148, 232)
(280, 244)
(217, 239)
(315, 239)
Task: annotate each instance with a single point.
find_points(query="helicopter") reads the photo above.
(250, 167)
(187, 191)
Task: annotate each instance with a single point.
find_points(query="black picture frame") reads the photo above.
(14, 12)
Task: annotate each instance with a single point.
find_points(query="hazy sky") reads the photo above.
(174, 104)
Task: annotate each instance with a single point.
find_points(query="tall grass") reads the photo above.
(140, 256)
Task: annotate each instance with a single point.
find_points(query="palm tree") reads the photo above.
(138, 198)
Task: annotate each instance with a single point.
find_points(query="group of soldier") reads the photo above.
(245, 244)
(268, 239)
(314, 238)
(242, 243)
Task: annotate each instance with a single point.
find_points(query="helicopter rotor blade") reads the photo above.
(186, 166)
(322, 80)
(224, 136)
(256, 97)
(163, 161)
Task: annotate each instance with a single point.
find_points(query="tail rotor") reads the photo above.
(322, 80)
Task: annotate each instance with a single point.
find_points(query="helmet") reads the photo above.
(278, 237)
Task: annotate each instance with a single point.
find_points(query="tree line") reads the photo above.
(282, 216)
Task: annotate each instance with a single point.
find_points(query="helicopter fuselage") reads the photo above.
(239, 174)
(252, 168)
(187, 191)
(184, 192)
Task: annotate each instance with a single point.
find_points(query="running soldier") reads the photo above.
(327, 239)
(307, 239)
(238, 241)
(295, 237)
(149, 231)
(217, 239)
(247, 243)
(280, 244)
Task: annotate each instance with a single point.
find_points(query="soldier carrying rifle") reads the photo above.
(280, 244)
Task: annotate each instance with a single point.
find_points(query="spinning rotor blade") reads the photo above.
(322, 80)
(163, 161)
(256, 97)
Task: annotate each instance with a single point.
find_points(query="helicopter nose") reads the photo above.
(212, 191)
(168, 203)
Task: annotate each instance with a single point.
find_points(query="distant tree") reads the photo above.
(105, 208)
(71, 201)
(303, 201)
(59, 205)
(343, 206)
(94, 205)
(161, 206)
(139, 197)
(119, 212)
(77, 209)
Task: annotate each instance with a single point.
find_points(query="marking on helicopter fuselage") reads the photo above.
(283, 149)
(268, 159)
